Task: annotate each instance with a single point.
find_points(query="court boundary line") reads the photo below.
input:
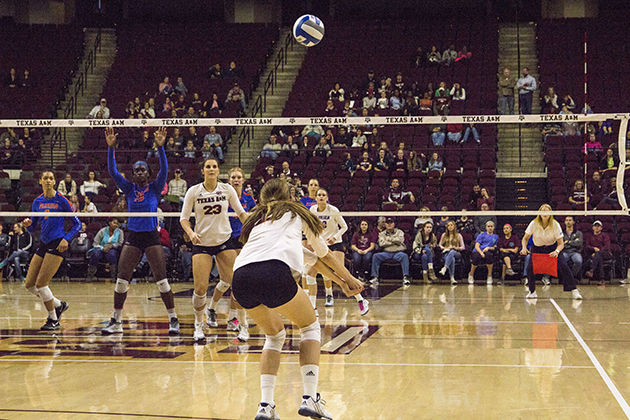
(245, 362)
(161, 416)
(623, 404)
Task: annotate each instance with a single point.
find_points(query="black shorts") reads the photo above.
(142, 240)
(268, 283)
(475, 258)
(50, 248)
(236, 242)
(337, 247)
(231, 243)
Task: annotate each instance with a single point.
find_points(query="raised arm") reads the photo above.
(160, 180)
(124, 185)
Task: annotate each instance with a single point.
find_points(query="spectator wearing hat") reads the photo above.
(484, 252)
(391, 241)
(236, 94)
(177, 188)
(573, 243)
(100, 111)
(598, 248)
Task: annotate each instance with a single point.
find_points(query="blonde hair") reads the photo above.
(236, 169)
(274, 203)
(452, 238)
(538, 218)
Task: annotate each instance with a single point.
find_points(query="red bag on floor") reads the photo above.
(545, 264)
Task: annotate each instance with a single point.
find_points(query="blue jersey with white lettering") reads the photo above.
(140, 199)
(53, 227)
(308, 201)
(248, 203)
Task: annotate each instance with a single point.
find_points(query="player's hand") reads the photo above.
(554, 254)
(352, 287)
(107, 247)
(483, 255)
(27, 222)
(63, 246)
(160, 136)
(331, 241)
(195, 238)
(523, 251)
(110, 137)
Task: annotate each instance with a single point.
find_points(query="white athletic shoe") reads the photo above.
(266, 412)
(232, 324)
(314, 408)
(453, 282)
(471, 280)
(364, 306)
(112, 328)
(576, 294)
(624, 281)
(211, 318)
(443, 270)
(329, 300)
(489, 281)
(198, 335)
(545, 280)
(243, 333)
(531, 295)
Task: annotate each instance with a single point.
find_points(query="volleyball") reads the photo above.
(308, 30)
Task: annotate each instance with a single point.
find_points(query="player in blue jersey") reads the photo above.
(52, 249)
(142, 237)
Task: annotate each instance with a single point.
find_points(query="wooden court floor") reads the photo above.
(425, 352)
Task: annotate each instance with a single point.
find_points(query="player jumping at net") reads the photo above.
(334, 227)
(212, 237)
(264, 283)
(142, 197)
(52, 249)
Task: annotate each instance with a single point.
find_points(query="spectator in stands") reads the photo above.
(365, 164)
(611, 195)
(206, 150)
(107, 244)
(454, 132)
(400, 162)
(177, 188)
(336, 93)
(313, 130)
(569, 128)
(165, 88)
(147, 111)
(322, 148)
(463, 55)
(610, 161)
(348, 164)
(180, 87)
(441, 100)
(91, 185)
(383, 102)
(419, 58)
(438, 134)
(395, 101)
(362, 246)
(449, 55)
(474, 195)
(330, 110)
(485, 198)
(289, 149)
(578, 195)
(382, 163)
(484, 252)
(67, 187)
(286, 170)
(172, 150)
(442, 221)
(410, 107)
(399, 83)
(414, 162)
(215, 72)
(9, 135)
(598, 249)
(130, 110)
(192, 136)
(549, 102)
(369, 101)
(74, 202)
(433, 56)
(177, 136)
(359, 139)
(465, 224)
(568, 101)
(471, 129)
(19, 242)
(396, 194)
(435, 163)
(421, 220)
(236, 94)
(391, 243)
(12, 80)
(189, 150)
(197, 103)
(26, 81)
(343, 137)
(457, 92)
(22, 153)
(426, 103)
(270, 148)
(572, 251)
(551, 128)
(452, 244)
(214, 106)
(595, 187)
(191, 113)
(506, 92)
(233, 71)
(216, 143)
(604, 128)
(424, 246)
(526, 86)
(480, 221)
(508, 250)
(88, 205)
(593, 146)
(100, 111)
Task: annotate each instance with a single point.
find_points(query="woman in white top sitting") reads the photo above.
(548, 239)
(91, 185)
(264, 283)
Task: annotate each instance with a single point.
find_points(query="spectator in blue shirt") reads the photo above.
(216, 142)
(526, 86)
(484, 252)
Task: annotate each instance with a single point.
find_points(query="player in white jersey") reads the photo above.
(212, 236)
(264, 283)
(334, 228)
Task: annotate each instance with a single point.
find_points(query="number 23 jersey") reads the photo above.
(212, 222)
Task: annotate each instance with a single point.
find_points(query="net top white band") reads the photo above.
(300, 121)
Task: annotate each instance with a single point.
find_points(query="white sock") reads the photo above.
(310, 375)
(358, 297)
(118, 315)
(199, 315)
(199, 304)
(213, 304)
(242, 317)
(171, 313)
(313, 300)
(267, 385)
(329, 291)
(452, 278)
(232, 314)
(430, 266)
(52, 314)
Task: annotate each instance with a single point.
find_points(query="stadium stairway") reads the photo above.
(275, 101)
(91, 94)
(530, 161)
